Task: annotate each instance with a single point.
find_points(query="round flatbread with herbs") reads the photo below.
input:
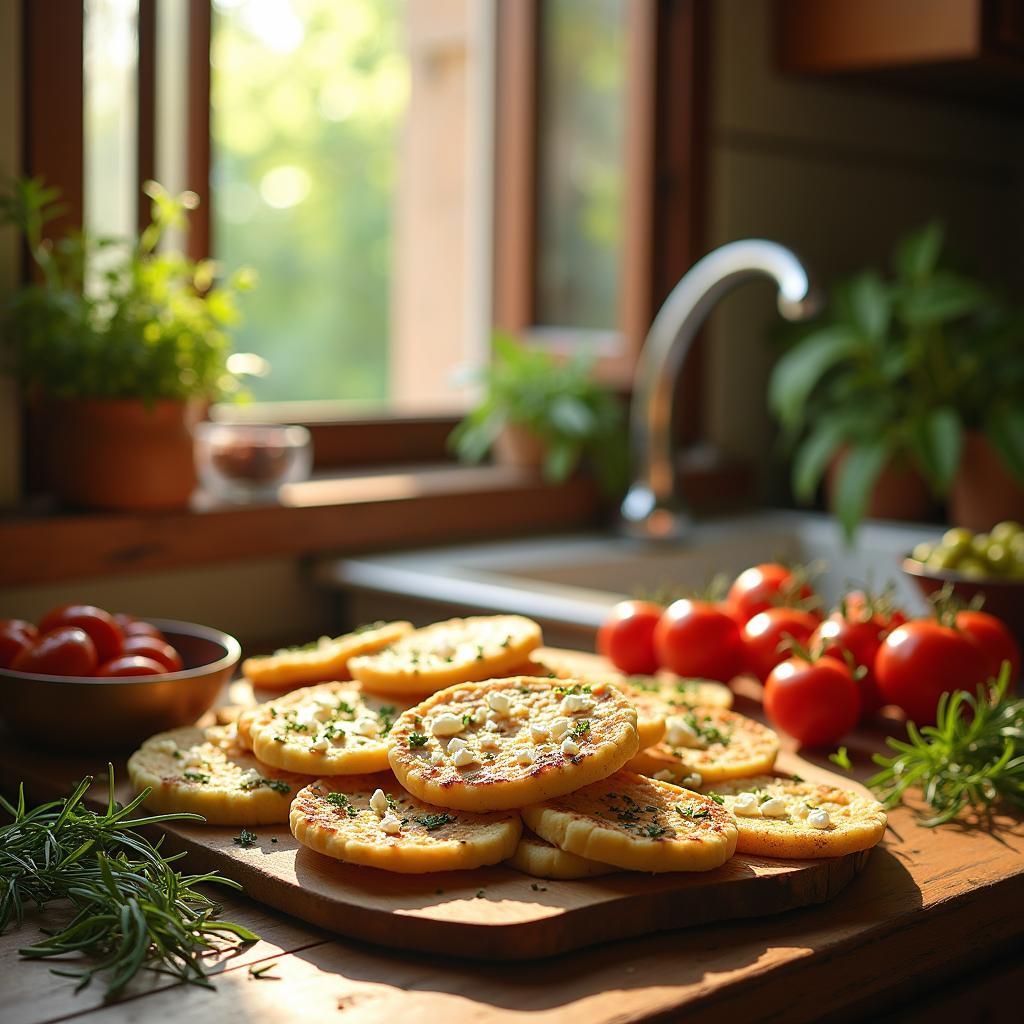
(324, 660)
(370, 820)
(780, 817)
(703, 745)
(672, 694)
(208, 772)
(541, 859)
(446, 653)
(509, 742)
(329, 729)
(637, 824)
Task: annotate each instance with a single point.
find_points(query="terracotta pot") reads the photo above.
(984, 493)
(516, 446)
(900, 492)
(118, 454)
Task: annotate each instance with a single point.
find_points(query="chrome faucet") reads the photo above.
(654, 508)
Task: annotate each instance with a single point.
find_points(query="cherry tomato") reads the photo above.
(65, 651)
(861, 607)
(765, 635)
(158, 650)
(762, 587)
(838, 637)
(139, 628)
(995, 640)
(700, 640)
(627, 637)
(104, 632)
(817, 702)
(921, 660)
(15, 636)
(131, 665)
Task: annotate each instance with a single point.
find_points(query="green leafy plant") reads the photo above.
(557, 401)
(112, 318)
(895, 372)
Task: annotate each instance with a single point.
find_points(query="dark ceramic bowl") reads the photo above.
(1003, 598)
(81, 713)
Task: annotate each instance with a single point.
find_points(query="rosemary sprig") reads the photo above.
(968, 759)
(131, 908)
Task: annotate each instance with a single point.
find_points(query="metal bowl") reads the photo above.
(1004, 598)
(82, 713)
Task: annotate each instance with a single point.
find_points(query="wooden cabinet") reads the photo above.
(966, 47)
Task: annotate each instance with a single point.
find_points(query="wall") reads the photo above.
(837, 171)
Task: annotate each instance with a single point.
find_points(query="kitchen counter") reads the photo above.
(923, 926)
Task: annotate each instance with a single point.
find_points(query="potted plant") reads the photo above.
(899, 385)
(546, 413)
(123, 345)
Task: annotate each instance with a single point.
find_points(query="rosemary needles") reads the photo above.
(131, 909)
(970, 758)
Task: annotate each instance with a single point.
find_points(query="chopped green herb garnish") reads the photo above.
(479, 894)
(245, 838)
(691, 812)
(479, 652)
(575, 689)
(277, 785)
(538, 888)
(506, 641)
(197, 777)
(342, 801)
(580, 729)
(841, 758)
(718, 799)
(345, 708)
(387, 718)
(417, 739)
(653, 831)
(432, 822)
(467, 719)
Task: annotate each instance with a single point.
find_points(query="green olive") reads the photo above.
(943, 558)
(974, 568)
(999, 557)
(1005, 531)
(922, 552)
(979, 545)
(958, 537)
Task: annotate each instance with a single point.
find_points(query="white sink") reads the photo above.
(568, 582)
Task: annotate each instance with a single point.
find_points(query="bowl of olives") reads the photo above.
(989, 566)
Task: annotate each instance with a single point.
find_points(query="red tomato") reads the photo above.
(158, 650)
(817, 702)
(104, 632)
(861, 607)
(994, 639)
(65, 651)
(131, 665)
(698, 639)
(15, 636)
(765, 635)
(836, 636)
(921, 660)
(627, 637)
(762, 587)
(139, 628)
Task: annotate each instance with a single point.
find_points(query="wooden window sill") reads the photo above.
(390, 508)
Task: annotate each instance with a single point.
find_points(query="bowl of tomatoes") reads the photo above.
(85, 679)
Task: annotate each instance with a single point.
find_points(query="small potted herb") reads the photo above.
(122, 344)
(539, 411)
(901, 384)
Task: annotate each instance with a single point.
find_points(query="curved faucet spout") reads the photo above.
(653, 508)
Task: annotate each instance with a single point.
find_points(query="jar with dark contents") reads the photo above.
(244, 462)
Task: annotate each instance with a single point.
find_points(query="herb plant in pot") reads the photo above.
(121, 345)
(545, 413)
(890, 392)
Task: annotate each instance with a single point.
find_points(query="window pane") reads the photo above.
(580, 166)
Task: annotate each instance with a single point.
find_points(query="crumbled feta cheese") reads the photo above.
(559, 727)
(679, 733)
(818, 818)
(379, 803)
(390, 825)
(447, 725)
(493, 716)
(693, 780)
(575, 703)
(538, 732)
(165, 747)
(193, 759)
(663, 776)
(489, 743)
(492, 727)
(464, 756)
(499, 702)
(746, 806)
(775, 807)
(320, 745)
(322, 714)
(570, 748)
(365, 727)
(455, 744)
(479, 716)
(249, 777)
(437, 759)
(524, 756)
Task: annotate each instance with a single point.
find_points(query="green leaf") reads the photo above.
(798, 372)
(858, 472)
(937, 440)
(869, 305)
(560, 461)
(1004, 427)
(917, 254)
(814, 455)
(944, 297)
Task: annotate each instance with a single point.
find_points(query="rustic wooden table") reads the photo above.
(932, 928)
